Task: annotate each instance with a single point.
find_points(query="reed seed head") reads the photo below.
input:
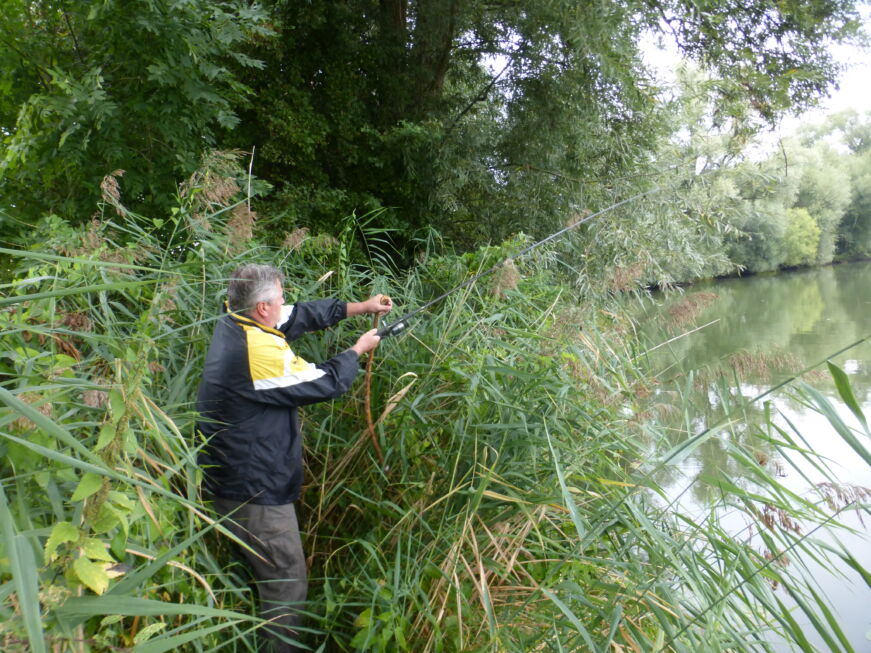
(506, 278)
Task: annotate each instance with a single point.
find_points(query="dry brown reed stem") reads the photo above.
(684, 313)
(351, 454)
(513, 586)
(178, 565)
(367, 395)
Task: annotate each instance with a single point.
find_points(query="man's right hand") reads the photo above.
(367, 342)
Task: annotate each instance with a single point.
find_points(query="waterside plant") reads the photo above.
(516, 509)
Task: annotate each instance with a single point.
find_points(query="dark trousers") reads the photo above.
(273, 532)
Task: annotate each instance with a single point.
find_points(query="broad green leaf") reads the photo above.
(364, 618)
(107, 434)
(116, 404)
(89, 485)
(121, 500)
(92, 574)
(61, 532)
(107, 519)
(96, 550)
(150, 630)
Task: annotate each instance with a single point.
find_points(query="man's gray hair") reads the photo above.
(250, 284)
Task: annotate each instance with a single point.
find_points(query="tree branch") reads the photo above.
(73, 34)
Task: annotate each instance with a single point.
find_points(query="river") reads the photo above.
(756, 332)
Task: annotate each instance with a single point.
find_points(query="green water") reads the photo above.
(811, 314)
(755, 333)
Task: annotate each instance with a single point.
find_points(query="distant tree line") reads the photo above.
(802, 200)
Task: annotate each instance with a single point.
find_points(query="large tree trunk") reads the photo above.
(434, 32)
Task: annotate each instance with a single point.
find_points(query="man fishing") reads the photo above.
(251, 387)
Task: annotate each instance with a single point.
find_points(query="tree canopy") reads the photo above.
(91, 87)
(477, 118)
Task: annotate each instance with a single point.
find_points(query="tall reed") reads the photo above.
(518, 507)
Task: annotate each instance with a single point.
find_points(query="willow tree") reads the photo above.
(484, 117)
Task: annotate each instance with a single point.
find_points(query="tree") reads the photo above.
(483, 118)
(854, 238)
(90, 87)
(824, 190)
(802, 238)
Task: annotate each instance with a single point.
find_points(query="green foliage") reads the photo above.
(855, 228)
(91, 87)
(825, 191)
(485, 119)
(801, 241)
(512, 508)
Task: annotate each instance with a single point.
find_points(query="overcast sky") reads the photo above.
(854, 90)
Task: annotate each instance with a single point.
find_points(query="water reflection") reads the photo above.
(762, 331)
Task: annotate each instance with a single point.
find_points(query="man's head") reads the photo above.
(256, 290)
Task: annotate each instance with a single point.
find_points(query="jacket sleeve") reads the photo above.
(305, 317)
(305, 383)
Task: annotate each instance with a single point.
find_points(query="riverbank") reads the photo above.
(514, 508)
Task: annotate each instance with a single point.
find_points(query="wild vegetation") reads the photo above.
(475, 118)
(402, 146)
(516, 508)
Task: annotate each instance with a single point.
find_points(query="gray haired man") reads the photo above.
(252, 385)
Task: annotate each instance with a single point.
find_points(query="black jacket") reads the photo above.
(252, 384)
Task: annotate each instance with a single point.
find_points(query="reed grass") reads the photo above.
(517, 509)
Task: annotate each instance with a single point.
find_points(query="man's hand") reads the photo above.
(367, 342)
(377, 305)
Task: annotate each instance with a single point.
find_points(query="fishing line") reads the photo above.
(402, 323)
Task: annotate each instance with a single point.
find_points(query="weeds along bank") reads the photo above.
(514, 511)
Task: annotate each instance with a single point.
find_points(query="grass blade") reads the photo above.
(24, 576)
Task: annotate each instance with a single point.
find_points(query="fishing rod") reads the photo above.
(401, 324)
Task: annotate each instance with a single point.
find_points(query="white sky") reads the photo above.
(854, 90)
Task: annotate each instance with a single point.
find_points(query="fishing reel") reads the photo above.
(391, 329)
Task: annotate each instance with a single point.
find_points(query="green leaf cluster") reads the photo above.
(91, 87)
